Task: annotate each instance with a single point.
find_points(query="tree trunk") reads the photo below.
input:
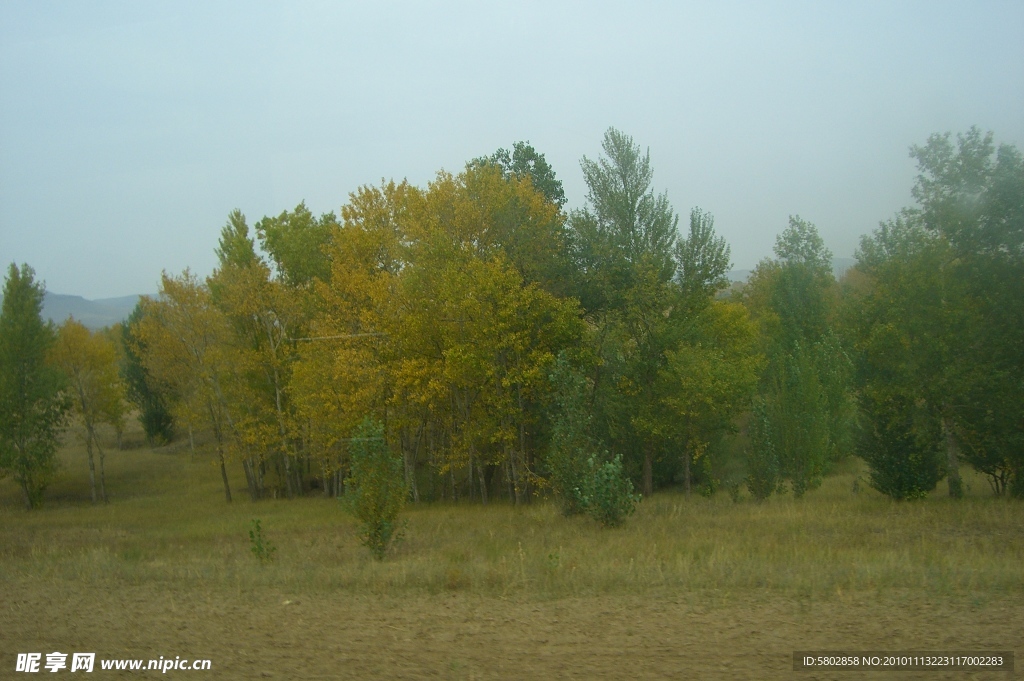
(103, 473)
(648, 470)
(92, 464)
(686, 469)
(224, 473)
(956, 485)
(483, 483)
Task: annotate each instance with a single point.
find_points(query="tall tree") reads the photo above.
(152, 400)
(32, 402)
(89, 360)
(806, 386)
(623, 244)
(187, 350)
(945, 278)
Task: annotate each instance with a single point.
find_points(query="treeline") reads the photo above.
(503, 347)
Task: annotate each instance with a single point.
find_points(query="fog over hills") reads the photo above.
(95, 314)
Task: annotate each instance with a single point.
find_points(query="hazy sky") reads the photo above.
(129, 131)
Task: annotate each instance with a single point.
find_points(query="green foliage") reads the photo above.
(141, 390)
(938, 317)
(571, 452)
(702, 259)
(901, 444)
(525, 161)
(807, 386)
(610, 499)
(297, 241)
(259, 545)
(32, 404)
(375, 487)
(763, 471)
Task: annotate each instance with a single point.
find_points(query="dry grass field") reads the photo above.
(698, 588)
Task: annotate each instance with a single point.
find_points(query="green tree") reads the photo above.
(298, 243)
(523, 161)
(623, 247)
(32, 402)
(153, 402)
(375, 487)
(572, 450)
(942, 292)
(806, 388)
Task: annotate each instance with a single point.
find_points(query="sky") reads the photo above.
(129, 131)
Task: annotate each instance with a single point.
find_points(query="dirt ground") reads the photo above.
(458, 636)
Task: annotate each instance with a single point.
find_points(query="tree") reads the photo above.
(141, 390)
(702, 260)
(187, 351)
(623, 245)
(32, 402)
(297, 242)
(806, 386)
(572, 450)
(89, 361)
(710, 377)
(626, 229)
(526, 162)
(944, 281)
(376, 487)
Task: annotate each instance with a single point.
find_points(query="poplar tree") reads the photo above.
(32, 402)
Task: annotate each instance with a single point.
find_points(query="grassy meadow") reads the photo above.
(168, 523)
(934, 571)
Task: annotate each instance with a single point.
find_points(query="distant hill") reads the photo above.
(95, 314)
(839, 267)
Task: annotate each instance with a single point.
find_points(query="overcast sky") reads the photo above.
(129, 131)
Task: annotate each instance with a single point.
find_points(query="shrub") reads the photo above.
(610, 500)
(902, 447)
(762, 462)
(260, 545)
(571, 453)
(375, 488)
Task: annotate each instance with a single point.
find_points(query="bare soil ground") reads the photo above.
(460, 636)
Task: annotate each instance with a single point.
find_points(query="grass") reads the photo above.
(168, 524)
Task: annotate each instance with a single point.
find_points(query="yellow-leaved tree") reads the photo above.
(89, 360)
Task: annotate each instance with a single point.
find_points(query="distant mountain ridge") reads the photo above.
(94, 314)
(839, 267)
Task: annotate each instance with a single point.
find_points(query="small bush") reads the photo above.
(610, 500)
(375, 488)
(260, 545)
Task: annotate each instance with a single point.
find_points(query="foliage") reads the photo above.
(141, 390)
(188, 353)
(901, 444)
(763, 470)
(572, 449)
(298, 242)
(938, 316)
(523, 161)
(89, 361)
(259, 545)
(702, 259)
(375, 487)
(806, 389)
(610, 499)
(32, 401)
